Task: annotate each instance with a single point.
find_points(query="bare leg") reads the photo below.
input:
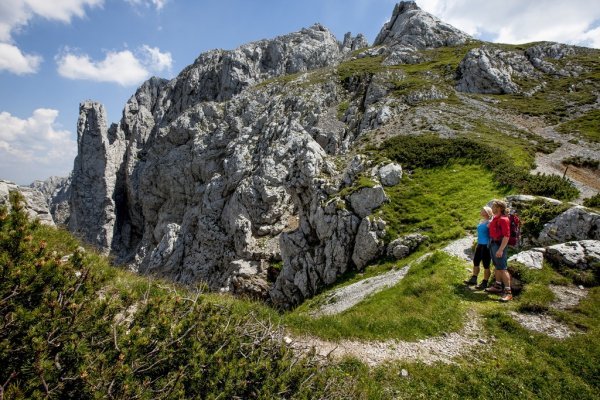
(505, 276)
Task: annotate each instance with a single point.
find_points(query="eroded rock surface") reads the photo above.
(35, 202)
(577, 223)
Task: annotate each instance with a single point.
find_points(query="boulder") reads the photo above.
(533, 259)
(389, 174)
(403, 246)
(366, 199)
(578, 254)
(577, 223)
(490, 70)
(369, 242)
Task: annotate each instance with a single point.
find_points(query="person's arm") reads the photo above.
(502, 247)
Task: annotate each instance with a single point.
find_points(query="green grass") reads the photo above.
(438, 202)
(517, 364)
(423, 304)
(588, 126)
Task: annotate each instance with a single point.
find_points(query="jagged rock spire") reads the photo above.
(411, 26)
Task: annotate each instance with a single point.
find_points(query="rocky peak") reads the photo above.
(351, 43)
(56, 191)
(411, 26)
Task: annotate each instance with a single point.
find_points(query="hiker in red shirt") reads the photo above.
(499, 236)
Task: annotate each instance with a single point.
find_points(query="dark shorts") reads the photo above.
(482, 254)
(499, 262)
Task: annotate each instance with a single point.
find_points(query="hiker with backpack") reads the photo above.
(499, 237)
(482, 251)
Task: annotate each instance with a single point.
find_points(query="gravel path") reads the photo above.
(461, 248)
(436, 349)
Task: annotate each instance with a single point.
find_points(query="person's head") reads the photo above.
(486, 212)
(498, 207)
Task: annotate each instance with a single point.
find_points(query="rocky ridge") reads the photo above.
(245, 159)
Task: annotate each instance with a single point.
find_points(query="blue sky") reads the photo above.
(55, 54)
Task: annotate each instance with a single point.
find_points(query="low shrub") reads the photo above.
(593, 201)
(537, 213)
(579, 161)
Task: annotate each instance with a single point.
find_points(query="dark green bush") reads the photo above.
(537, 213)
(428, 151)
(579, 161)
(593, 201)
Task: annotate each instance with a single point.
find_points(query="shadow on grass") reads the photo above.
(469, 294)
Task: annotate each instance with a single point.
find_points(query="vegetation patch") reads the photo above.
(423, 304)
(587, 125)
(593, 201)
(428, 151)
(582, 162)
(438, 203)
(534, 215)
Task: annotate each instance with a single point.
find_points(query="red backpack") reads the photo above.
(515, 229)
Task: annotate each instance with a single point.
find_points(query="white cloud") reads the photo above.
(15, 14)
(517, 21)
(121, 67)
(158, 4)
(155, 60)
(35, 147)
(13, 60)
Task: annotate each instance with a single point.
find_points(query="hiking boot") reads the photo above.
(482, 285)
(495, 289)
(471, 281)
(506, 296)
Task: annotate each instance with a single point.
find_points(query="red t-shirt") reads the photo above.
(499, 227)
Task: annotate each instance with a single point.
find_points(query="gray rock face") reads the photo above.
(94, 178)
(577, 223)
(403, 246)
(369, 242)
(366, 199)
(57, 192)
(533, 259)
(351, 43)
(35, 202)
(411, 26)
(538, 53)
(490, 70)
(580, 254)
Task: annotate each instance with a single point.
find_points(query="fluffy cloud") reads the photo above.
(123, 67)
(34, 148)
(15, 14)
(517, 21)
(158, 4)
(13, 60)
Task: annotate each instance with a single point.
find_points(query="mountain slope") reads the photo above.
(269, 154)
